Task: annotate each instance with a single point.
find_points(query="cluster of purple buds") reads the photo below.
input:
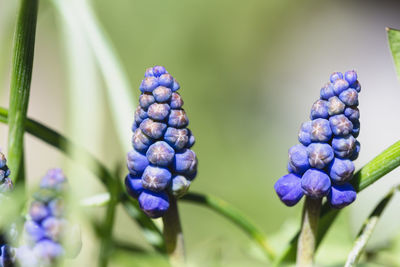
(321, 165)
(7, 253)
(46, 226)
(161, 164)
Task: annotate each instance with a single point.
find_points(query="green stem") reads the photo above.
(367, 230)
(173, 234)
(225, 209)
(308, 234)
(21, 74)
(382, 164)
(106, 234)
(55, 139)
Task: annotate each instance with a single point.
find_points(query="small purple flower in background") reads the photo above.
(46, 227)
(322, 164)
(161, 164)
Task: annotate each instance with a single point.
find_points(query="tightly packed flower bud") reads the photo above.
(161, 164)
(322, 164)
(46, 228)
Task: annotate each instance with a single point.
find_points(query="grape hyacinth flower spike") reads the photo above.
(47, 229)
(321, 165)
(161, 164)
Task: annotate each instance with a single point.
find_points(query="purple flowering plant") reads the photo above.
(161, 166)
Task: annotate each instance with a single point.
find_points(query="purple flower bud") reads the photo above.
(162, 93)
(166, 80)
(351, 76)
(340, 125)
(136, 162)
(344, 146)
(339, 86)
(356, 86)
(336, 76)
(145, 100)
(341, 170)
(320, 130)
(139, 113)
(177, 138)
(176, 101)
(54, 228)
(133, 185)
(3, 160)
(179, 186)
(148, 84)
(356, 151)
(305, 133)
(288, 188)
(48, 250)
(149, 72)
(178, 118)
(156, 178)
(352, 113)
(158, 112)
(341, 195)
(159, 70)
(154, 204)
(349, 97)
(175, 86)
(319, 155)
(315, 183)
(153, 129)
(319, 110)
(192, 140)
(298, 159)
(140, 141)
(356, 128)
(327, 91)
(160, 154)
(54, 180)
(38, 211)
(57, 207)
(6, 186)
(34, 231)
(335, 106)
(185, 163)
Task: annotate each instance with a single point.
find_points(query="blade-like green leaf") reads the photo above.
(385, 162)
(119, 93)
(394, 43)
(367, 229)
(53, 138)
(21, 75)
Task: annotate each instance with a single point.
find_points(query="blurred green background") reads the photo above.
(249, 73)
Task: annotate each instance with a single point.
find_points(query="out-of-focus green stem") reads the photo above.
(367, 230)
(21, 75)
(53, 138)
(224, 208)
(382, 164)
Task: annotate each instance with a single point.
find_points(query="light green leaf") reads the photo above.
(394, 43)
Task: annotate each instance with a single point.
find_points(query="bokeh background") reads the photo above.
(249, 73)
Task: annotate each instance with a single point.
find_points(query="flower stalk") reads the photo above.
(308, 235)
(173, 235)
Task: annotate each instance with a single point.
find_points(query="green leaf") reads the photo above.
(394, 43)
(118, 89)
(21, 75)
(367, 230)
(225, 209)
(53, 138)
(382, 164)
